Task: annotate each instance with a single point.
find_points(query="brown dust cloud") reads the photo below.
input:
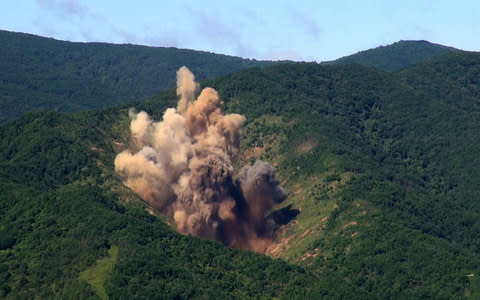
(185, 170)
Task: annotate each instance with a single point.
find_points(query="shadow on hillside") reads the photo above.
(284, 215)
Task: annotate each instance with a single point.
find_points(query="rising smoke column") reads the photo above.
(185, 170)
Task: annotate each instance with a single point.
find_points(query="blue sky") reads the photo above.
(299, 30)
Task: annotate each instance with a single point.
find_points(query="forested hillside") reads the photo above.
(396, 56)
(381, 167)
(63, 210)
(382, 171)
(38, 73)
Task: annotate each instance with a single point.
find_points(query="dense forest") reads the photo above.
(396, 56)
(38, 73)
(381, 167)
(63, 209)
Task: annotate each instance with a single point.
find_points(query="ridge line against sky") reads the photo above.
(295, 30)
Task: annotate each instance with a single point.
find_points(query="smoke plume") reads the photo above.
(185, 170)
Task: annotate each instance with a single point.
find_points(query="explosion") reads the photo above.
(185, 170)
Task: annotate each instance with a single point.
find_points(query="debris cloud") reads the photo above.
(184, 169)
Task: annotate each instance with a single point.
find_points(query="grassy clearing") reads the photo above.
(97, 274)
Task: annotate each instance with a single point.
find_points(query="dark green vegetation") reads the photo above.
(62, 209)
(38, 73)
(382, 169)
(396, 56)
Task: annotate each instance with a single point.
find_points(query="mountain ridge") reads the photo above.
(396, 56)
(93, 75)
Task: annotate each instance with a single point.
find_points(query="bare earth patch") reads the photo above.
(307, 146)
(351, 223)
(312, 254)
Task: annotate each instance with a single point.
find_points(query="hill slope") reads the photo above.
(63, 213)
(396, 56)
(38, 73)
(382, 170)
